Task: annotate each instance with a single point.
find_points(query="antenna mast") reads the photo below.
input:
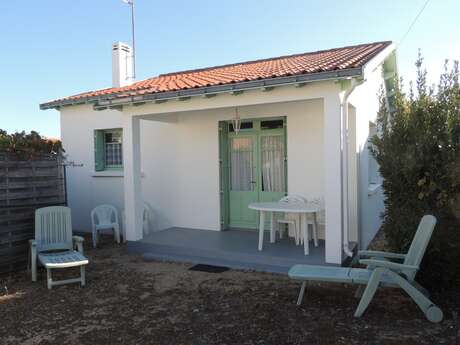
(131, 3)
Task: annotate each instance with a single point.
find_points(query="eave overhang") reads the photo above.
(117, 100)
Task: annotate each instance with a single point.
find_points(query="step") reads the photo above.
(261, 258)
(238, 265)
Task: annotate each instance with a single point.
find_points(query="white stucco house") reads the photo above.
(169, 141)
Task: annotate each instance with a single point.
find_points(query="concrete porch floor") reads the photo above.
(232, 248)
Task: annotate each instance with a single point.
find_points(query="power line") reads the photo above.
(413, 22)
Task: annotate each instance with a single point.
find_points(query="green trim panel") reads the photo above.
(99, 156)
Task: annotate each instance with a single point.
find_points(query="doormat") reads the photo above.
(208, 268)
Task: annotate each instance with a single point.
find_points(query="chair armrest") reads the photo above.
(393, 266)
(379, 254)
(78, 242)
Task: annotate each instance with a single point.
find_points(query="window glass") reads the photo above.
(242, 164)
(272, 156)
(244, 126)
(113, 148)
(271, 124)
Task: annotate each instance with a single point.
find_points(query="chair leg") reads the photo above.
(94, 238)
(298, 227)
(369, 292)
(302, 292)
(116, 233)
(359, 291)
(33, 259)
(29, 259)
(281, 229)
(315, 232)
(296, 234)
(49, 279)
(83, 275)
(431, 311)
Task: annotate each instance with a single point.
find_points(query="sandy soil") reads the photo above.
(128, 301)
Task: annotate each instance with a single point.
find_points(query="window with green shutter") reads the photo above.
(108, 150)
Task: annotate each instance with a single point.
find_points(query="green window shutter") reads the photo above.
(99, 161)
(224, 172)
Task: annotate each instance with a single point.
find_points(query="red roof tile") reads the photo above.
(298, 64)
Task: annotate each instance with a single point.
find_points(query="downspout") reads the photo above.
(344, 161)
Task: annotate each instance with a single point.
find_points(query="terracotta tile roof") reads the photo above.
(299, 64)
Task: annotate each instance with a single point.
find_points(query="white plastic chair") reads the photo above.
(104, 217)
(146, 218)
(292, 219)
(320, 217)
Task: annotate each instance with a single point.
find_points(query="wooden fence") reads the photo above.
(25, 185)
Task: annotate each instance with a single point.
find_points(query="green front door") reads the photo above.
(256, 169)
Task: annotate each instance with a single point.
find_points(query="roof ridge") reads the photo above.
(195, 70)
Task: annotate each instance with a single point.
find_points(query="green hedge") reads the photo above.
(27, 145)
(418, 150)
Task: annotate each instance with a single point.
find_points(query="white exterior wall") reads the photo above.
(179, 160)
(181, 165)
(179, 155)
(84, 190)
(370, 203)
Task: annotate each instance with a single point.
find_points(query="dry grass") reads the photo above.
(128, 301)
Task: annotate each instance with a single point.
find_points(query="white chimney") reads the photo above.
(122, 65)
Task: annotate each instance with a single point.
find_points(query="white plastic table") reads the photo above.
(284, 207)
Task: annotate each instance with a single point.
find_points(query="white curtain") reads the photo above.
(241, 156)
(272, 152)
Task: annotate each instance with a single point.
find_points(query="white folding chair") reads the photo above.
(104, 217)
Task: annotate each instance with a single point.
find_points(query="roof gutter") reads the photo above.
(106, 101)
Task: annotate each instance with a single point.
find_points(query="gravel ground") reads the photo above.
(128, 301)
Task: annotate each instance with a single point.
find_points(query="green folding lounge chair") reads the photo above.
(54, 246)
(381, 269)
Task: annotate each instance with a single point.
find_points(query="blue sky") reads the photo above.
(55, 48)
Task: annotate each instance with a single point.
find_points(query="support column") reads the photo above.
(332, 179)
(132, 178)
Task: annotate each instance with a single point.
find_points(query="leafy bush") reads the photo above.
(418, 151)
(27, 145)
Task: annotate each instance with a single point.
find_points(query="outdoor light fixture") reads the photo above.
(236, 121)
(131, 3)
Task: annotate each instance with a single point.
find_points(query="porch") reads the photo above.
(199, 174)
(236, 248)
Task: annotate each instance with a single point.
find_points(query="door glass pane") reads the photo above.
(272, 156)
(242, 163)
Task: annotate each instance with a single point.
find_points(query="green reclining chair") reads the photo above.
(380, 270)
